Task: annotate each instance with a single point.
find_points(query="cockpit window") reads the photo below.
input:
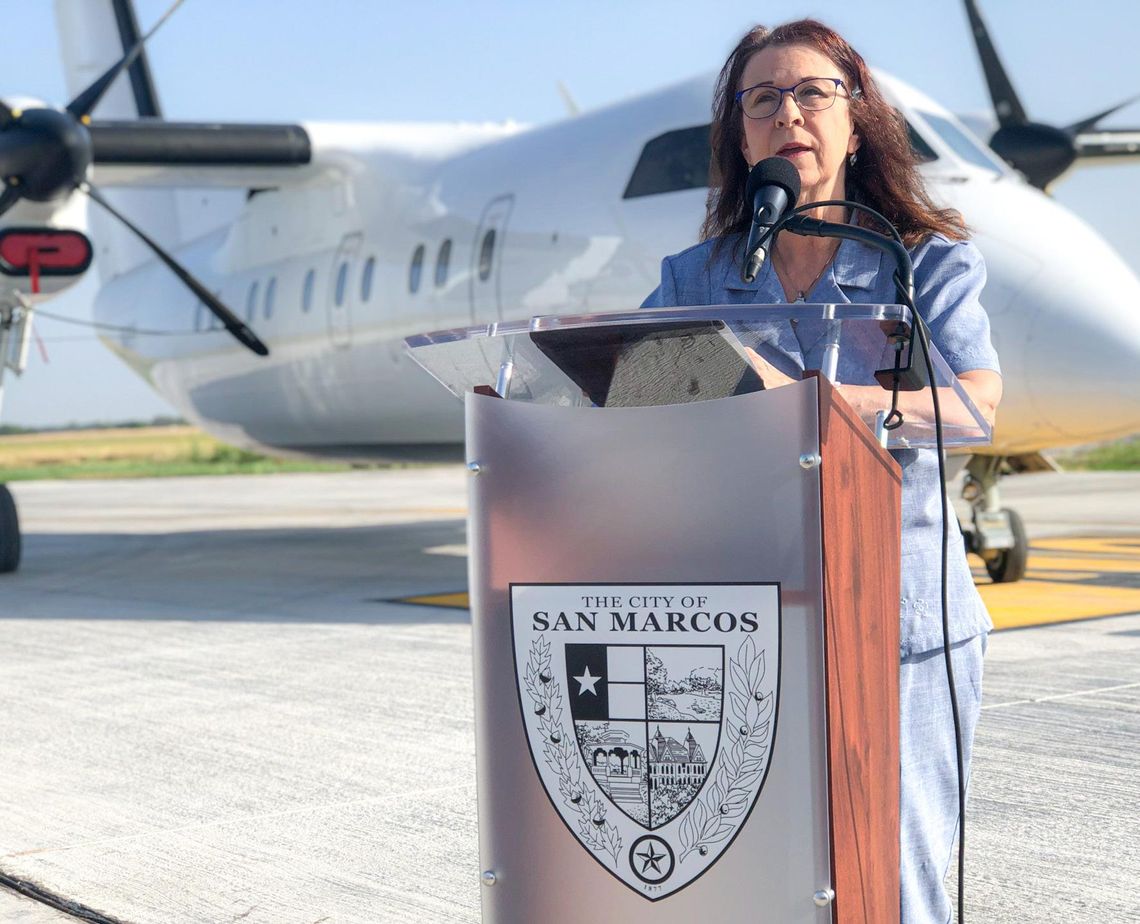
(671, 162)
(923, 152)
(961, 143)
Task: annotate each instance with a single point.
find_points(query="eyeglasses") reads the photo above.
(812, 94)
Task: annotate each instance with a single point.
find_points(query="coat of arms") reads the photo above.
(650, 712)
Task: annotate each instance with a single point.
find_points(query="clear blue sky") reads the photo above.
(378, 60)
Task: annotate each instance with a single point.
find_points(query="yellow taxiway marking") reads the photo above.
(1112, 546)
(457, 600)
(1036, 603)
(1067, 579)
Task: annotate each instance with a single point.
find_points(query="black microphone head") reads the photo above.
(774, 171)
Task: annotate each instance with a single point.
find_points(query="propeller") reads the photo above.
(232, 322)
(84, 104)
(1041, 152)
(45, 155)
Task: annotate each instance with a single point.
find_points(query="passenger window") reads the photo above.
(366, 279)
(250, 303)
(674, 161)
(270, 295)
(307, 291)
(486, 255)
(441, 263)
(415, 271)
(341, 283)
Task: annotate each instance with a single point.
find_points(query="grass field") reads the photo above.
(151, 452)
(1120, 455)
(133, 452)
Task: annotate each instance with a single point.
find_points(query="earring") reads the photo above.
(852, 158)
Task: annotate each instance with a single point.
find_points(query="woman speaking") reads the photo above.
(801, 92)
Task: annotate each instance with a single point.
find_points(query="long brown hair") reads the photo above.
(884, 175)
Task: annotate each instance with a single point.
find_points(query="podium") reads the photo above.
(684, 597)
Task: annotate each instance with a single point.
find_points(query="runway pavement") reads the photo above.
(214, 711)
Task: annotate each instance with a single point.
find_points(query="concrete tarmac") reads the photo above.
(213, 710)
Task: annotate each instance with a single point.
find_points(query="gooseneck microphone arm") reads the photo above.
(814, 227)
(912, 377)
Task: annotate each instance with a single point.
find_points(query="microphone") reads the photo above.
(773, 187)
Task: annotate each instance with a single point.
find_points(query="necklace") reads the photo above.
(802, 294)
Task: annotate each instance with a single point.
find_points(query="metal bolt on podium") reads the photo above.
(810, 460)
(824, 897)
(475, 468)
(488, 878)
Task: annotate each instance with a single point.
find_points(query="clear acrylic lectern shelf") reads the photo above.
(681, 355)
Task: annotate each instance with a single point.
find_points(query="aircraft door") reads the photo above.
(342, 292)
(487, 261)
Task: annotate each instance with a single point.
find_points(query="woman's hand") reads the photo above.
(769, 374)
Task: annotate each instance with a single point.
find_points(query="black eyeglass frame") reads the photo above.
(851, 94)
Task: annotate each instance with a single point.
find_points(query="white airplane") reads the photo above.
(334, 242)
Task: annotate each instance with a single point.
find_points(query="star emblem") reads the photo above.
(650, 858)
(586, 682)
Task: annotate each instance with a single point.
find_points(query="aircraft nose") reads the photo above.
(1083, 355)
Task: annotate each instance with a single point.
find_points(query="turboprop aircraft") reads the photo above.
(272, 310)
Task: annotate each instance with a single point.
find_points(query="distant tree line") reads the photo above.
(163, 420)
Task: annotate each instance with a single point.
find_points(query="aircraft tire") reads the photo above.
(1008, 565)
(9, 532)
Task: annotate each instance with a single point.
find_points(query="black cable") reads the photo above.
(924, 338)
(43, 896)
(905, 290)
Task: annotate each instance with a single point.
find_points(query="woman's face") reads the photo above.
(817, 142)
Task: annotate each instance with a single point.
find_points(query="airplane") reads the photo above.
(334, 242)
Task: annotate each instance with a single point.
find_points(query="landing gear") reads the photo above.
(9, 532)
(998, 534)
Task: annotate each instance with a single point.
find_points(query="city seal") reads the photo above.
(650, 714)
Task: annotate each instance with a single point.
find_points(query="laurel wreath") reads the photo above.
(561, 753)
(715, 815)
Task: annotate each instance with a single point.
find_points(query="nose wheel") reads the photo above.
(998, 535)
(9, 532)
(1006, 565)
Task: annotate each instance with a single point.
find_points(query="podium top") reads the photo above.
(666, 356)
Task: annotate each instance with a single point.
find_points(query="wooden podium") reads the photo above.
(685, 618)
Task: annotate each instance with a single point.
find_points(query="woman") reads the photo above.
(801, 92)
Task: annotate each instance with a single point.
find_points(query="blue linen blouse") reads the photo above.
(949, 276)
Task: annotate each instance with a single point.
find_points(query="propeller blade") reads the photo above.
(1086, 124)
(1110, 145)
(9, 197)
(84, 104)
(232, 322)
(1008, 107)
